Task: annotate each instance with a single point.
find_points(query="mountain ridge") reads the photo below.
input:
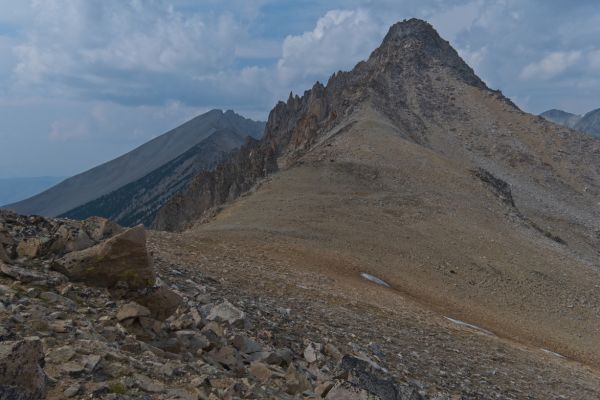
(587, 123)
(138, 201)
(114, 174)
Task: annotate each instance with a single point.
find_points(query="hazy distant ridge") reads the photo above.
(16, 189)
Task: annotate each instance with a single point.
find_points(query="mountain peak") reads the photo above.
(415, 43)
(411, 27)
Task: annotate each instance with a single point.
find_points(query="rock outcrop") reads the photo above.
(245, 168)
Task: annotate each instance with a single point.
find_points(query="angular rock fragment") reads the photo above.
(148, 384)
(227, 312)
(246, 345)
(260, 371)
(347, 391)
(132, 310)
(227, 356)
(21, 373)
(364, 375)
(122, 258)
(60, 354)
(192, 341)
(161, 301)
(312, 352)
(72, 390)
(3, 256)
(296, 381)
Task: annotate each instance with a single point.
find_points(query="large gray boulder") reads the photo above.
(21, 373)
(122, 258)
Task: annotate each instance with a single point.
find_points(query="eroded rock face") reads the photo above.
(21, 373)
(122, 258)
(229, 180)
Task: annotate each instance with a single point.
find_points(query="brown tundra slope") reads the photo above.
(410, 169)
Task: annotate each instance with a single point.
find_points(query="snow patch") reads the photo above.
(465, 324)
(553, 353)
(374, 279)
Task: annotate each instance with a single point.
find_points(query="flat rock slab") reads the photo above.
(32, 275)
(132, 310)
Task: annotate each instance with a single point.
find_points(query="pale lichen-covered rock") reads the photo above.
(99, 228)
(227, 312)
(29, 248)
(70, 237)
(122, 258)
(21, 373)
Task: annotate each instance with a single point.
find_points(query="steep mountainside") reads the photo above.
(410, 169)
(134, 165)
(137, 202)
(588, 123)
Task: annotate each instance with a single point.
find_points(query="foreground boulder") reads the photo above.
(21, 374)
(121, 259)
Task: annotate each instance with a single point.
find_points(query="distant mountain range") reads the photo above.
(130, 188)
(16, 189)
(588, 123)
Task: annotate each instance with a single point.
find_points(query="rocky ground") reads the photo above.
(103, 332)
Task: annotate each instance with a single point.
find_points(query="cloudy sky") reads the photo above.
(83, 81)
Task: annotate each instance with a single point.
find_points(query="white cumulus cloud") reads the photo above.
(90, 45)
(551, 65)
(339, 40)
